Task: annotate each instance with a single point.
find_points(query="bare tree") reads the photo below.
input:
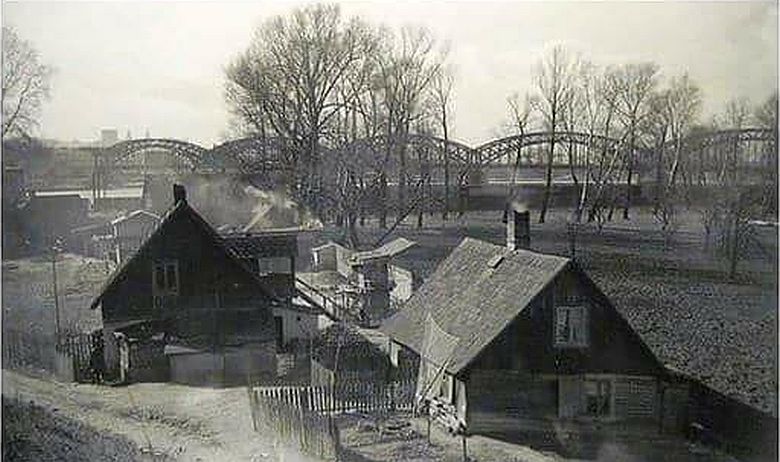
(677, 109)
(442, 99)
(590, 106)
(735, 200)
(554, 79)
(25, 85)
(607, 166)
(634, 85)
(287, 80)
(520, 120)
(766, 117)
(407, 68)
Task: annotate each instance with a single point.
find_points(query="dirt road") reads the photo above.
(183, 423)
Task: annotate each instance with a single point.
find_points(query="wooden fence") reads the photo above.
(77, 349)
(304, 415)
(68, 357)
(314, 433)
(27, 350)
(347, 396)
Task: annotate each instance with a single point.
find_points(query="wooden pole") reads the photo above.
(56, 297)
(465, 449)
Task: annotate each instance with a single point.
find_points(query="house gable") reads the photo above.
(532, 343)
(212, 292)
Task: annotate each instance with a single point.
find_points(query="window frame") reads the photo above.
(607, 399)
(163, 268)
(583, 322)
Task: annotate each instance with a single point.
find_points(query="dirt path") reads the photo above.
(183, 423)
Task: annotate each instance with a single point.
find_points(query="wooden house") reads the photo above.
(513, 340)
(210, 307)
(359, 286)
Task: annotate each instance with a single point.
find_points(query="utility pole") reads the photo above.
(54, 249)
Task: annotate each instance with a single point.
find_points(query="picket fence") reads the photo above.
(345, 397)
(26, 350)
(303, 415)
(314, 433)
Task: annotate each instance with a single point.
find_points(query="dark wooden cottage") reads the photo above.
(513, 340)
(213, 312)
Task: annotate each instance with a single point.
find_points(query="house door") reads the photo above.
(279, 326)
(569, 396)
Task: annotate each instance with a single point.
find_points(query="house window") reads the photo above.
(571, 326)
(598, 398)
(274, 265)
(165, 278)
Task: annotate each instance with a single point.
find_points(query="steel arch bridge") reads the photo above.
(259, 156)
(119, 153)
(495, 150)
(382, 152)
(752, 145)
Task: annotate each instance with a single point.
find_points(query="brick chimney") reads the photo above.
(518, 227)
(179, 194)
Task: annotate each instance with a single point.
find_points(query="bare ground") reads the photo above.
(165, 420)
(367, 439)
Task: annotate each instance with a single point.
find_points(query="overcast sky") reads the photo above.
(159, 66)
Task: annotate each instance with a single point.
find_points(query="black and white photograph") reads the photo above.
(375, 230)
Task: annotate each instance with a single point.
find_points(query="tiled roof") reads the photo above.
(473, 295)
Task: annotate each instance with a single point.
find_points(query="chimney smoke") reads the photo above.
(179, 194)
(518, 227)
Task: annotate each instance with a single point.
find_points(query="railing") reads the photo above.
(335, 309)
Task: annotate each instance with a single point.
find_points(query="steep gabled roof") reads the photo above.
(473, 295)
(180, 209)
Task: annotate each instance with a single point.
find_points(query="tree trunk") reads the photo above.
(584, 192)
(630, 166)
(548, 173)
(383, 200)
(446, 210)
(734, 246)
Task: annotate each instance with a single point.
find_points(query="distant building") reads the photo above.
(115, 239)
(108, 137)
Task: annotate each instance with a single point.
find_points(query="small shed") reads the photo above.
(340, 353)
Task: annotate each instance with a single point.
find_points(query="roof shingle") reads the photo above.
(473, 300)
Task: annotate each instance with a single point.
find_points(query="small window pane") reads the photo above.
(159, 278)
(171, 276)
